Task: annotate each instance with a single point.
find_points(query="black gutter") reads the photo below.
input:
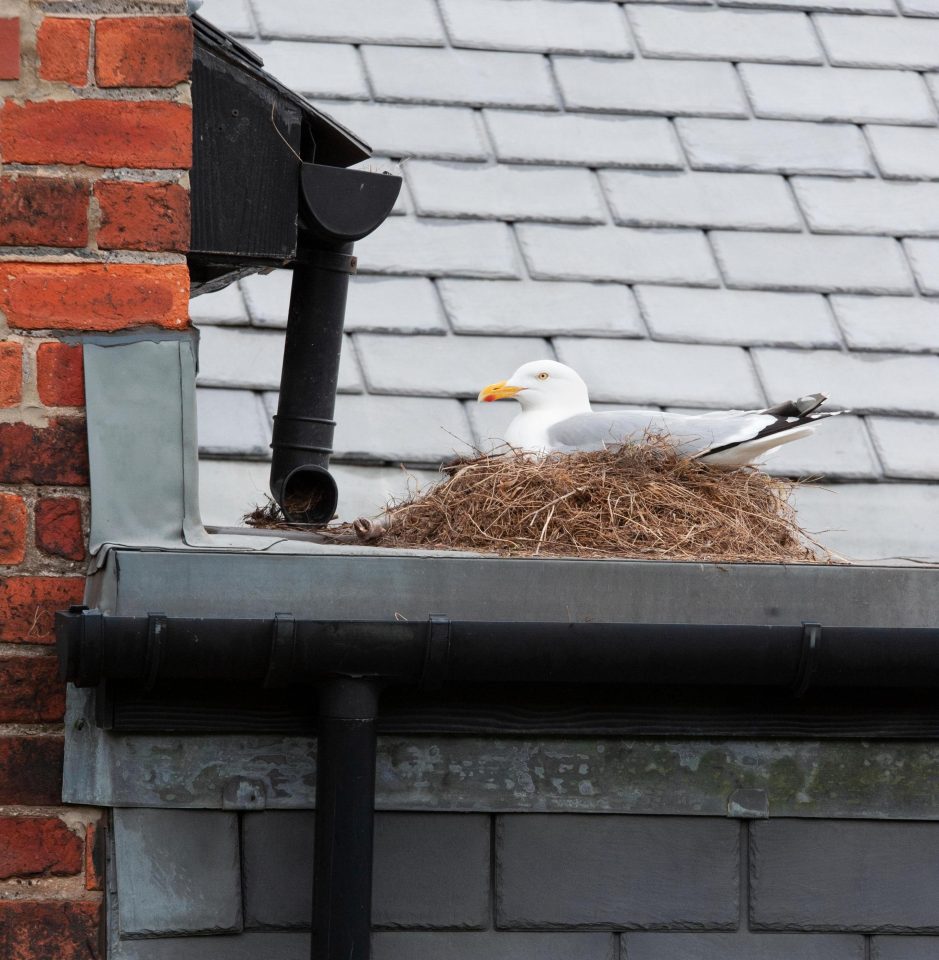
(350, 662)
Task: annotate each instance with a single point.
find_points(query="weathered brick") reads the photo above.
(644, 372)
(94, 855)
(440, 249)
(505, 192)
(54, 454)
(746, 201)
(143, 51)
(509, 308)
(63, 296)
(538, 25)
(11, 373)
(60, 374)
(843, 875)
(9, 48)
(776, 146)
(906, 153)
(12, 528)
(906, 324)
(856, 96)
(619, 872)
(761, 261)
(317, 69)
(142, 216)
(233, 423)
(924, 259)
(43, 929)
(407, 22)
(63, 45)
(524, 136)
(43, 211)
(28, 606)
(903, 948)
(473, 77)
(494, 945)
(651, 86)
(59, 529)
(31, 775)
(38, 847)
(101, 133)
(743, 946)
(872, 206)
(617, 253)
(404, 130)
(840, 449)
(750, 318)
(865, 42)
(908, 449)
(442, 366)
(712, 34)
(30, 692)
(865, 382)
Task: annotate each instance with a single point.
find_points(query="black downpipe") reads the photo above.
(345, 801)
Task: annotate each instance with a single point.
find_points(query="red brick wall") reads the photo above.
(95, 145)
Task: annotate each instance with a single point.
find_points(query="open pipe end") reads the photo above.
(308, 495)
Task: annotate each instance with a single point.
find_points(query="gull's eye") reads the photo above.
(542, 376)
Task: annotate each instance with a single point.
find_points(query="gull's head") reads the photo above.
(541, 385)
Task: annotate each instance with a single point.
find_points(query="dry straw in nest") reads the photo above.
(636, 501)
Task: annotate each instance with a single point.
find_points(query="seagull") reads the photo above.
(556, 417)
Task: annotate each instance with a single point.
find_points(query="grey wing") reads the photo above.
(690, 434)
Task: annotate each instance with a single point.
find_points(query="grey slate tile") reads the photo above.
(407, 130)
(684, 88)
(431, 870)
(746, 201)
(394, 429)
(439, 248)
(776, 146)
(617, 253)
(494, 945)
(924, 259)
(317, 69)
(505, 192)
(783, 261)
(839, 448)
(232, 423)
(254, 358)
(906, 153)
(604, 871)
(267, 296)
(232, 16)
(835, 6)
(443, 366)
(904, 948)
(867, 521)
(509, 308)
(919, 8)
(644, 372)
(393, 305)
(354, 21)
(869, 206)
(592, 141)
(865, 42)
(750, 318)
(365, 491)
(863, 382)
(226, 308)
(908, 324)
(177, 872)
(540, 26)
(843, 875)
(689, 33)
(909, 449)
(839, 93)
(228, 489)
(743, 946)
(473, 77)
(247, 946)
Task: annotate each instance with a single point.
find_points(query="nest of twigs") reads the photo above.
(636, 501)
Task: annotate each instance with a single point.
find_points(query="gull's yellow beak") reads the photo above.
(497, 391)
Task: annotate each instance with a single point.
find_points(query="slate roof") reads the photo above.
(697, 206)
